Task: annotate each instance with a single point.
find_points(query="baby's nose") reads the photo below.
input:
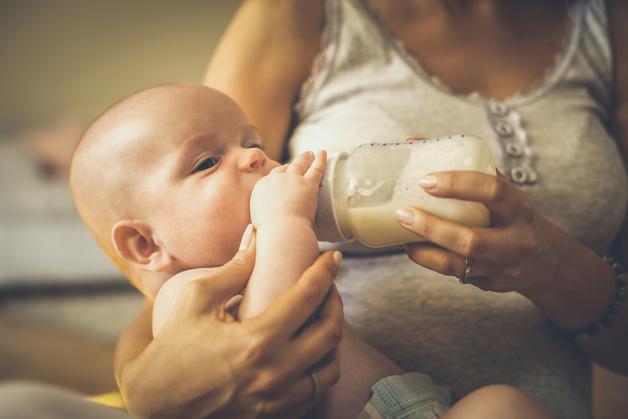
(252, 159)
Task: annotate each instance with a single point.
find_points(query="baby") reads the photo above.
(168, 180)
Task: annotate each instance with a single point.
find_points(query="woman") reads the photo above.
(156, 381)
(545, 84)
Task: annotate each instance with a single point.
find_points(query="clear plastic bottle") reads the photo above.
(361, 191)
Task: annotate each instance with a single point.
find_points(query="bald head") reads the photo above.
(114, 160)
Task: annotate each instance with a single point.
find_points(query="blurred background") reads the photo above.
(62, 304)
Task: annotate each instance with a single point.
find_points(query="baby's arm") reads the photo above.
(283, 207)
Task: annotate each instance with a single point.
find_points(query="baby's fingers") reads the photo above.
(300, 164)
(317, 168)
(280, 169)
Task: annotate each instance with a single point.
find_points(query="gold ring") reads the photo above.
(468, 261)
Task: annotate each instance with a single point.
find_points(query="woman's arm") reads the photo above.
(610, 347)
(134, 340)
(253, 368)
(525, 252)
(618, 16)
(521, 251)
(262, 60)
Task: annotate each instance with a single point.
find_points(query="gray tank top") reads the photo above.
(551, 140)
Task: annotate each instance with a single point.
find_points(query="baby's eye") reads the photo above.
(255, 145)
(207, 164)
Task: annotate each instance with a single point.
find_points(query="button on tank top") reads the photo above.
(552, 141)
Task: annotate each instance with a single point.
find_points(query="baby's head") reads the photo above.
(163, 180)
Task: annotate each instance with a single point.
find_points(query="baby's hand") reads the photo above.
(290, 190)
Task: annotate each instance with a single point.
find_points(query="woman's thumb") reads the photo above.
(232, 277)
(244, 260)
(247, 237)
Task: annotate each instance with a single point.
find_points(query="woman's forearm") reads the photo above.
(131, 358)
(577, 291)
(133, 340)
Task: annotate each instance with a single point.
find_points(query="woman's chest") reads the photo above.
(579, 179)
(480, 49)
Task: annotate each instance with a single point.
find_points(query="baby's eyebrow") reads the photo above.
(249, 131)
(196, 141)
(186, 153)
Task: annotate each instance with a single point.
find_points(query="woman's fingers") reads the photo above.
(294, 307)
(319, 337)
(496, 253)
(443, 261)
(467, 241)
(317, 168)
(301, 163)
(496, 193)
(484, 273)
(221, 284)
(301, 392)
(314, 349)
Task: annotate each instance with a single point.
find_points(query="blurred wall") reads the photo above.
(61, 58)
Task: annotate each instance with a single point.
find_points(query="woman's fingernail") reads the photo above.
(246, 238)
(337, 256)
(428, 181)
(405, 216)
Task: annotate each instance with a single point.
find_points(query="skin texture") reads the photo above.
(573, 285)
(254, 367)
(268, 52)
(197, 177)
(283, 207)
(196, 170)
(497, 401)
(160, 167)
(198, 158)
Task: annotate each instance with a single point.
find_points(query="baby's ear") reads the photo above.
(134, 242)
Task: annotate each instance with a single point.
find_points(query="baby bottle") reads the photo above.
(361, 191)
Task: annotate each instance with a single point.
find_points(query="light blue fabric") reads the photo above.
(408, 396)
(365, 87)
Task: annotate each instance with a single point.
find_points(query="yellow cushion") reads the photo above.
(113, 399)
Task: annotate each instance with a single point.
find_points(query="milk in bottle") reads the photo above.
(361, 191)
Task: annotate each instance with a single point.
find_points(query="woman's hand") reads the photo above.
(205, 363)
(510, 255)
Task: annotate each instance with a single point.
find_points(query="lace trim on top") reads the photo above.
(322, 63)
(504, 119)
(552, 74)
